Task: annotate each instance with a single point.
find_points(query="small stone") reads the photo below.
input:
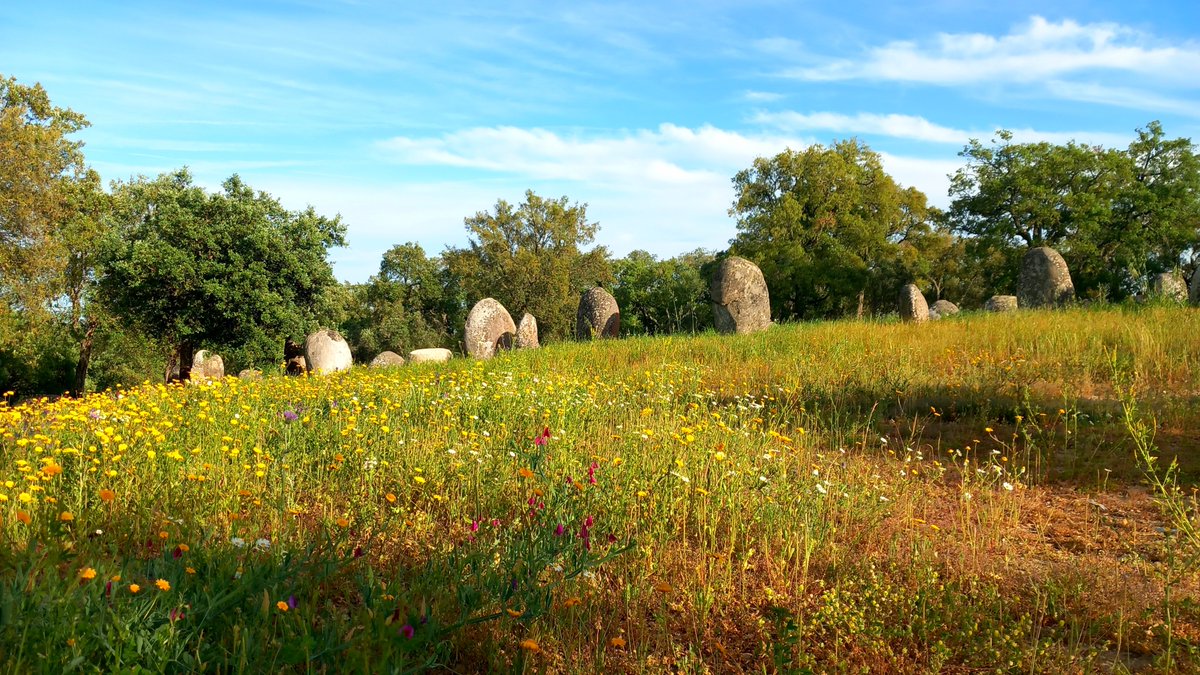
(741, 302)
(326, 351)
(1045, 280)
(207, 366)
(387, 360)
(912, 304)
(1001, 303)
(942, 309)
(527, 333)
(598, 316)
(489, 329)
(250, 375)
(430, 355)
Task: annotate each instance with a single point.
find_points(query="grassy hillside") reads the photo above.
(959, 496)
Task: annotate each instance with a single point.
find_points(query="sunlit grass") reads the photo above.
(831, 496)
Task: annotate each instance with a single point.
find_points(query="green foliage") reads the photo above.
(529, 258)
(663, 296)
(232, 269)
(827, 227)
(1116, 216)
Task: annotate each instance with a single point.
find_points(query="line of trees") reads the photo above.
(113, 286)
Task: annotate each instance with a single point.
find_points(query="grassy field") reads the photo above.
(963, 496)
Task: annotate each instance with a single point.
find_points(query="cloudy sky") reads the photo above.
(407, 117)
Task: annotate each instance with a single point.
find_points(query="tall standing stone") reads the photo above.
(1194, 294)
(527, 333)
(912, 304)
(326, 351)
(207, 366)
(1045, 280)
(489, 329)
(1001, 303)
(1169, 285)
(598, 316)
(741, 303)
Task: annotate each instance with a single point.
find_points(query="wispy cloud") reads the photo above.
(1037, 51)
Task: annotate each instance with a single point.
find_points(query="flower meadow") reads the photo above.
(838, 497)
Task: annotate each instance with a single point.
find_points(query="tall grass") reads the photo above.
(826, 497)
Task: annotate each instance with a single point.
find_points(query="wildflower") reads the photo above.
(175, 615)
(52, 469)
(663, 587)
(617, 643)
(282, 606)
(530, 646)
(571, 602)
(87, 574)
(107, 495)
(23, 517)
(291, 601)
(164, 534)
(290, 416)
(390, 497)
(1008, 486)
(407, 630)
(821, 489)
(134, 588)
(190, 570)
(238, 542)
(342, 522)
(720, 457)
(558, 531)
(66, 516)
(163, 585)
(525, 473)
(988, 429)
(262, 545)
(543, 438)
(419, 480)
(514, 613)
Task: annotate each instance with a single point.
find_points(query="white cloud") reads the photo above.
(761, 96)
(1035, 52)
(911, 127)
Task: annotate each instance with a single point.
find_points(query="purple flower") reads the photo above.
(176, 615)
(94, 414)
(407, 630)
(558, 531)
(289, 416)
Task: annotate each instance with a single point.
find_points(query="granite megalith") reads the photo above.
(598, 316)
(740, 300)
(387, 360)
(326, 351)
(489, 329)
(430, 355)
(1045, 280)
(1168, 285)
(942, 309)
(912, 304)
(527, 333)
(207, 366)
(1001, 303)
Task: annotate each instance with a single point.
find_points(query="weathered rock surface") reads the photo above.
(598, 316)
(1168, 285)
(387, 360)
(942, 309)
(250, 375)
(1001, 303)
(527, 333)
(741, 303)
(1194, 293)
(297, 365)
(1045, 280)
(912, 304)
(207, 366)
(326, 351)
(430, 355)
(489, 329)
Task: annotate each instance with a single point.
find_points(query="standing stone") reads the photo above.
(1045, 280)
(1194, 294)
(207, 366)
(741, 303)
(489, 329)
(1168, 285)
(293, 358)
(527, 334)
(912, 304)
(250, 375)
(1001, 303)
(598, 316)
(430, 355)
(326, 351)
(942, 309)
(387, 360)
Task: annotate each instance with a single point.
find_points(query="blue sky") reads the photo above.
(406, 119)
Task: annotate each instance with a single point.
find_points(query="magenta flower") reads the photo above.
(407, 630)
(290, 416)
(558, 531)
(543, 438)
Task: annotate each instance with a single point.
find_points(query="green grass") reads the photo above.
(961, 496)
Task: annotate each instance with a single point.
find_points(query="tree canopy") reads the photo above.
(529, 258)
(231, 269)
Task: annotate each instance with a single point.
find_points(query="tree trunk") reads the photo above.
(861, 299)
(85, 360)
